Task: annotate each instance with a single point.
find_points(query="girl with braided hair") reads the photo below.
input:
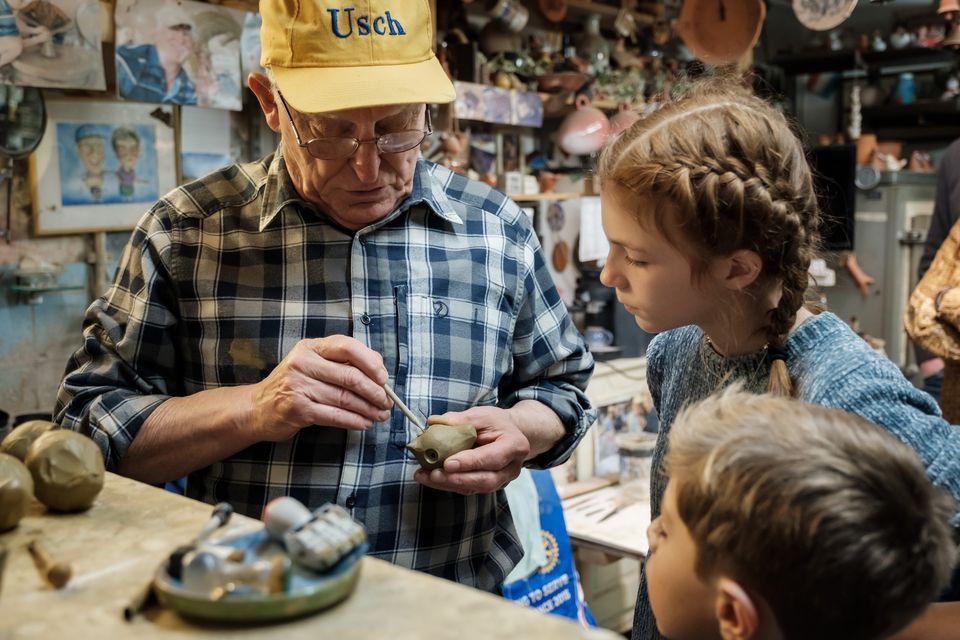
(711, 214)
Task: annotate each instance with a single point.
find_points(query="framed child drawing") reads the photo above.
(101, 165)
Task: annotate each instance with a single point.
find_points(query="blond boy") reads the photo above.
(788, 520)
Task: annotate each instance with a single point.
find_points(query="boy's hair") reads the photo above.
(725, 171)
(123, 133)
(826, 516)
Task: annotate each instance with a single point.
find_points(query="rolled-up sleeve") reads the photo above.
(551, 362)
(126, 366)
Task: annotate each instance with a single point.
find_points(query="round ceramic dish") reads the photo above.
(309, 591)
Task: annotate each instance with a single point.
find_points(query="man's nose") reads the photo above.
(366, 162)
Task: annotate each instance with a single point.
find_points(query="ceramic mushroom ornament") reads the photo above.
(67, 470)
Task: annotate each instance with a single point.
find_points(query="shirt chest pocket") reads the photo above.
(458, 352)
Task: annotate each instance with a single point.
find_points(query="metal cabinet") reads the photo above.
(891, 226)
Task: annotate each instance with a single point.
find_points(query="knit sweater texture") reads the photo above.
(830, 366)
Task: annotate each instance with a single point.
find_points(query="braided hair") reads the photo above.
(726, 169)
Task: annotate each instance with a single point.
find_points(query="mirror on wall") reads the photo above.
(23, 119)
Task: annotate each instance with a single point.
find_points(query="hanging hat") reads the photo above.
(720, 32)
(328, 55)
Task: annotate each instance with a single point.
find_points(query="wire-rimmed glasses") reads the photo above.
(340, 147)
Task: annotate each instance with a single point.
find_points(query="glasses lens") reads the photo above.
(331, 148)
(400, 141)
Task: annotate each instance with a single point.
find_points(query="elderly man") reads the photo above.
(259, 311)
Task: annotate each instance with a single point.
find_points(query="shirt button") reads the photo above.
(350, 502)
(365, 319)
(363, 240)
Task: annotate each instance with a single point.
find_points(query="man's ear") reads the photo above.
(737, 614)
(260, 85)
(738, 270)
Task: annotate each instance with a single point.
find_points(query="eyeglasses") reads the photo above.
(340, 148)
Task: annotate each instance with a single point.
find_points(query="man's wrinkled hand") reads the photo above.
(335, 381)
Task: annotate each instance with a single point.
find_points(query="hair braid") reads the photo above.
(724, 171)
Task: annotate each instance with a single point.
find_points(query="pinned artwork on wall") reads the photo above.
(250, 45)
(51, 43)
(179, 52)
(101, 165)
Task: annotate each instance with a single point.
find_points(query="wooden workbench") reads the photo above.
(116, 546)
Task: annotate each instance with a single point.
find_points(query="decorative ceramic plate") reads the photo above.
(822, 15)
(309, 591)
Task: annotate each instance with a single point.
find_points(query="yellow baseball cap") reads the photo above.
(328, 55)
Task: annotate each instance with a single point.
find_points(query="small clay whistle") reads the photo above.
(440, 441)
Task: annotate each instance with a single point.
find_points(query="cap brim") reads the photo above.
(320, 89)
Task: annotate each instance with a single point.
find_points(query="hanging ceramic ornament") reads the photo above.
(561, 256)
(823, 15)
(721, 32)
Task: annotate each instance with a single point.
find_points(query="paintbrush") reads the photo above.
(404, 408)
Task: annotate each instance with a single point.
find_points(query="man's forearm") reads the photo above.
(540, 424)
(186, 434)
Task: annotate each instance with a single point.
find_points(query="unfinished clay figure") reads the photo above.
(440, 441)
(19, 440)
(16, 491)
(67, 470)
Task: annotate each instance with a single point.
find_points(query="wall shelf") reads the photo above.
(922, 120)
(889, 61)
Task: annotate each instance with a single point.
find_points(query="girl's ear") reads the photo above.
(260, 85)
(738, 270)
(737, 614)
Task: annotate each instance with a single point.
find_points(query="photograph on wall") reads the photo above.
(101, 165)
(107, 163)
(51, 43)
(179, 52)
(250, 46)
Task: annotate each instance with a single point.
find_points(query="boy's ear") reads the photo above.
(737, 614)
(738, 270)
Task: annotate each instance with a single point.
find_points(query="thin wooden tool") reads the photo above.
(56, 573)
(404, 408)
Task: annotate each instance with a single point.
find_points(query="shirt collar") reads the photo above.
(280, 192)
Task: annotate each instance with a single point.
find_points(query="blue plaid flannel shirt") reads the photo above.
(224, 275)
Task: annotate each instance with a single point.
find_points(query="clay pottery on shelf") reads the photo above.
(553, 10)
(585, 130)
(67, 470)
(720, 33)
(16, 491)
(440, 441)
(19, 440)
(623, 119)
(562, 82)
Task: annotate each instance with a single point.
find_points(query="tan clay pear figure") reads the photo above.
(16, 491)
(67, 470)
(440, 441)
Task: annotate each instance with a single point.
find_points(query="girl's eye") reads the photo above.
(636, 263)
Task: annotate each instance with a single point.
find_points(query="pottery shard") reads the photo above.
(16, 491)
(440, 441)
(19, 440)
(67, 470)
